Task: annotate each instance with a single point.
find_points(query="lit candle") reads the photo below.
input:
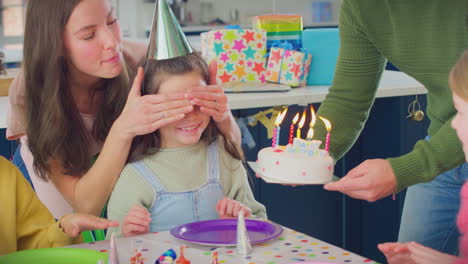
(313, 118)
(301, 124)
(291, 129)
(310, 134)
(328, 126)
(276, 134)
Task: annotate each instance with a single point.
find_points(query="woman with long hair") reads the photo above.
(77, 103)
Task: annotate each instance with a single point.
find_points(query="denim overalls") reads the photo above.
(171, 209)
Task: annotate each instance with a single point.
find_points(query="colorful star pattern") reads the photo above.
(240, 72)
(230, 35)
(229, 67)
(274, 76)
(234, 57)
(296, 68)
(251, 77)
(218, 48)
(249, 53)
(225, 77)
(258, 68)
(288, 67)
(239, 45)
(240, 54)
(224, 57)
(218, 35)
(275, 56)
(249, 36)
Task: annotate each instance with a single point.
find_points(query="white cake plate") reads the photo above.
(255, 168)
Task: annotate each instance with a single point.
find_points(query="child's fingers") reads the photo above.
(247, 211)
(230, 208)
(237, 207)
(221, 207)
(140, 212)
(134, 220)
(131, 230)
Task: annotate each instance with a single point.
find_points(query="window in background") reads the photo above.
(11, 24)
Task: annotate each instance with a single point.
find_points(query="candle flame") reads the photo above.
(310, 134)
(327, 123)
(313, 118)
(303, 119)
(296, 118)
(280, 117)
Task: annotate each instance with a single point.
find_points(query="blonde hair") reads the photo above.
(458, 78)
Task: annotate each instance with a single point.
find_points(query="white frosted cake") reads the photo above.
(301, 162)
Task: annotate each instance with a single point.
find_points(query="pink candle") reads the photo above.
(291, 129)
(328, 127)
(273, 140)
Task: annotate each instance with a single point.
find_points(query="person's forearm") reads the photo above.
(230, 129)
(429, 158)
(93, 190)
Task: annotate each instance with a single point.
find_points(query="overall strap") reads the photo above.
(213, 161)
(149, 175)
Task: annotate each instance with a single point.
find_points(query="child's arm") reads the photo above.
(137, 222)
(228, 208)
(74, 224)
(130, 190)
(235, 183)
(414, 253)
(29, 224)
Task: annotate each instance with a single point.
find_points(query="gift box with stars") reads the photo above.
(288, 67)
(240, 54)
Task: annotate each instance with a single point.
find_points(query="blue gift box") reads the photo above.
(323, 44)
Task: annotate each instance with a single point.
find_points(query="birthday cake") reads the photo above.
(301, 162)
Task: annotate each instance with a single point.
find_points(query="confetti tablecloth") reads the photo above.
(290, 247)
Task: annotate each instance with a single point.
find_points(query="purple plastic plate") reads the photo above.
(222, 232)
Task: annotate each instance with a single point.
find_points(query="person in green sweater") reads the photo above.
(423, 39)
(27, 224)
(186, 171)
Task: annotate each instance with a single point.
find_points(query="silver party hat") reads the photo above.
(243, 241)
(167, 40)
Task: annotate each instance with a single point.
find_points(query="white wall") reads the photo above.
(136, 15)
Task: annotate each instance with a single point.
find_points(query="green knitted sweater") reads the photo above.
(422, 38)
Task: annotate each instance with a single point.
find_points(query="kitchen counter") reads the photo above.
(392, 84)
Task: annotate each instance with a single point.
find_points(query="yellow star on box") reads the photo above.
(240, 71)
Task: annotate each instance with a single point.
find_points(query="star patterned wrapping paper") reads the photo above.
(288, 67)
(240, 54)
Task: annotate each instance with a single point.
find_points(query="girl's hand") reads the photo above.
(145, 114)
(413, 253)
(74, 224)
(211, 100)
(228, 208)
(137, 222)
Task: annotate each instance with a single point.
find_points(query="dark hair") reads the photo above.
(2, 66)
(54, 126)
(155, 74)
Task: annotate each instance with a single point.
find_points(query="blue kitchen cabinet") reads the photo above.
(7, 147)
